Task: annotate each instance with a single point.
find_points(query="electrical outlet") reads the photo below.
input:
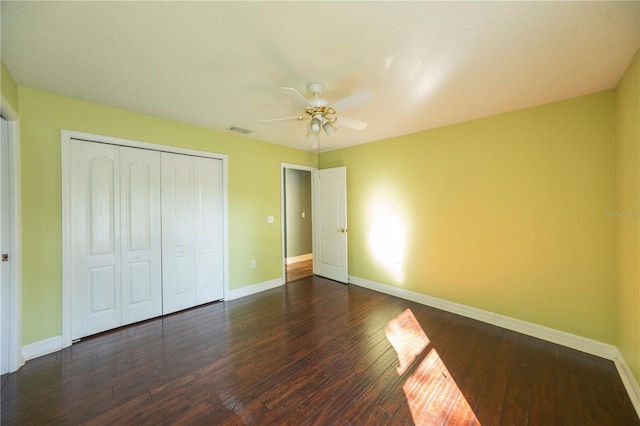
(253, 263)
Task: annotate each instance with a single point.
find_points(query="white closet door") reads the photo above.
(141, 235)
(178, 233)
(95, 239)
(208, 192)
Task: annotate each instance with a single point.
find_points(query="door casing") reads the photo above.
(283, 210)
(14, 328)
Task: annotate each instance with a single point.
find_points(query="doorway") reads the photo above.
(297, 214)
(11, 350)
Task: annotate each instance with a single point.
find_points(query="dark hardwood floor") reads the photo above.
(298, 270)
(316, 352)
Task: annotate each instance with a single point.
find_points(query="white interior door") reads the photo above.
(330, 222)
(141, 234)
(95, 238)
(178, 232)
(5, 248)
(208, 241)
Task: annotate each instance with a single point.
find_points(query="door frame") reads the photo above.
(65, 140)
(283, 212)
(16, 359)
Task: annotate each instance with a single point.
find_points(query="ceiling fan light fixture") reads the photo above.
(311, 132)
(329, 128)
(314, 127)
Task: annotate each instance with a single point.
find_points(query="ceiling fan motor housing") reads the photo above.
(315, 87)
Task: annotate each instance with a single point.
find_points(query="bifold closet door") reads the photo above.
(191, 231)
(209, 257)
(178, 233)
(115, 241)
(95, 238)
(141, 234)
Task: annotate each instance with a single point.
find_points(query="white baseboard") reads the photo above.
(301, 258)
(43, 347)
(53, 344)
(593, 347)
(572, 341)
(253, 289)
(628, 380)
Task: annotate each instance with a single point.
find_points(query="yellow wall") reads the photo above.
(505, 214)
(254, 194)
(8, 87)
(628, 209)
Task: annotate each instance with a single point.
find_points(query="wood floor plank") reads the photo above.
(315, 352)
(542, 409)
(298, 270)
(368, 401)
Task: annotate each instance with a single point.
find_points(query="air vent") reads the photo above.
(240, 130)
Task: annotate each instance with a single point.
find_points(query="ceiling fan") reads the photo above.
(320, 114)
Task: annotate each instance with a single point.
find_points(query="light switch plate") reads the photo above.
(269, 219)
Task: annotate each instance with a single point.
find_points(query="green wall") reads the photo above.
(504, 214)
(627, 211)
(299, 240)
(253, 184)
(8, 87)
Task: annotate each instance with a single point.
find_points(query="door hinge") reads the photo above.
(5, 257)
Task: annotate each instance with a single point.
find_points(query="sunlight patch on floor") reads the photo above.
(431, 392)
(407, 338)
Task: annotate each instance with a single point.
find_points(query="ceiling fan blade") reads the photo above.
(351, 123)
(295, 96)
(352, 101)
(273, 120)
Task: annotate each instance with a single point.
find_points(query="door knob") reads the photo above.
(343, 230)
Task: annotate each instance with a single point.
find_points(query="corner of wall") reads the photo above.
(627, 208)
(9, 92)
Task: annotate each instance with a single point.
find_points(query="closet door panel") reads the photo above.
(208, 190)
(141, 235)
(95, 238)
(178, 232)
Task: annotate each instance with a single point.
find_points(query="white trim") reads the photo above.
(70, 134)
(65, 162)
(283, 212)
(43, 347)
(569, 340)
(628, 380)
(296, 259)
(253, 289)
(65, 141)
(562, 338)
(16, 359)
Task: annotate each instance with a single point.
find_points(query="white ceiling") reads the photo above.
(220, 64)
